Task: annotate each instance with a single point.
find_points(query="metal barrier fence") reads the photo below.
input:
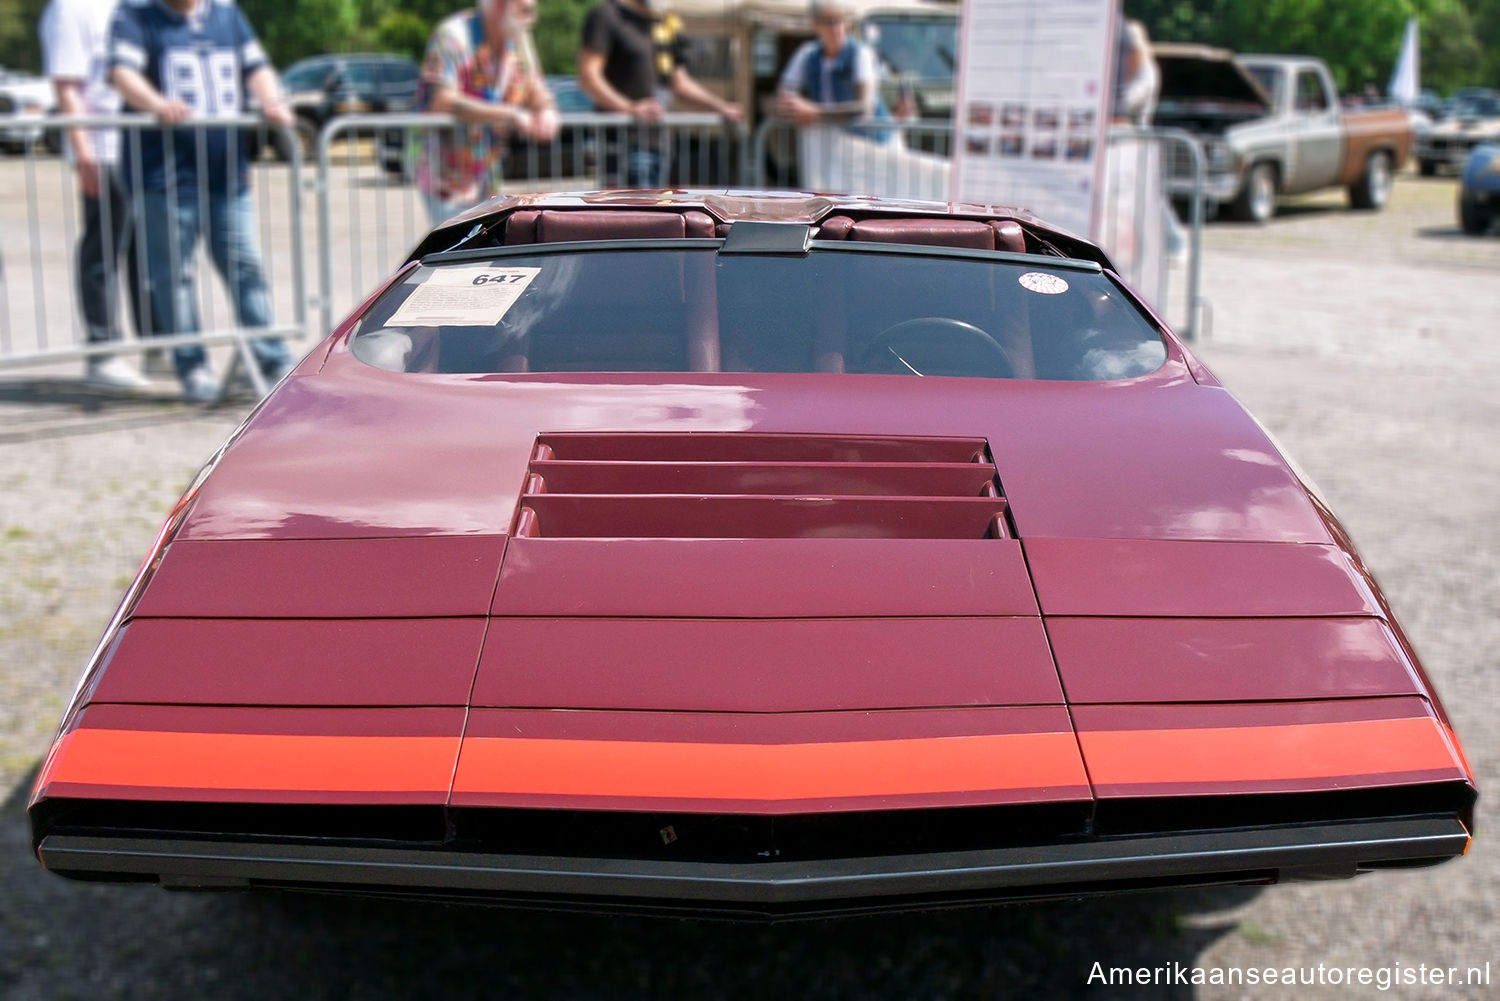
(384, 180)
(901, 159)
(373, 187)
(60, 301)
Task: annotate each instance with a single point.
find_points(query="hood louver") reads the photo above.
(771, 486)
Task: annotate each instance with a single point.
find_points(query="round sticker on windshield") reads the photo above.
(1039, 281)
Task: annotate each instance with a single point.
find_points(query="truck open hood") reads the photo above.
(1198, 74)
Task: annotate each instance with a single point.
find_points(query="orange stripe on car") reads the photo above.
(252, 761)
(1261, 753)
(764, 772)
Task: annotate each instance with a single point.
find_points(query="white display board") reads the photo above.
(1034, 89)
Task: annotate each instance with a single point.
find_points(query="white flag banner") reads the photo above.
(838, 161)
(1406, 81)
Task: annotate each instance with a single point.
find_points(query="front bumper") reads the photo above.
(775, 888)
(1454, 153)
(1217, 187)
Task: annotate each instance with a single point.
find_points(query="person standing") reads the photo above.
(74, 35)
(833, 77)
(481, 67)
(629, 62)
(183, 60)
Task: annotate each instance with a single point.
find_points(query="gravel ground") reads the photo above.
(1364, 342)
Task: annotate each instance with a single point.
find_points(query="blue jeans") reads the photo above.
(172, 228)
(645, 168)
(107, 256)
(633, 160)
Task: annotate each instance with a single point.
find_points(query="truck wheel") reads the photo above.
(1373, 189)
(1473, 217)
(1427, 168)
(1256, 201)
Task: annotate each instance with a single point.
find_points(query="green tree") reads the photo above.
(294, 29)
(1452, 55)
(1359, 39)
(558, 26)
(20, 48)
(404, 32)
(1486, 17)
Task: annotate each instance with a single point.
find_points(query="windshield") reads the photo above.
(1479, 107)
(1270, 79)
(701, 311)
(308, 74)
(921, 48)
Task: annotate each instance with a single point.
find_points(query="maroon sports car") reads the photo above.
(750, 554)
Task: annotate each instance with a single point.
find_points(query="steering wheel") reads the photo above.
(968, 349)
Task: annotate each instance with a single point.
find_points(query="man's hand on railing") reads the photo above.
(279, 113)
(173, 112)
(545, 125)
(647, 109)
(797, 109)
(87, 169)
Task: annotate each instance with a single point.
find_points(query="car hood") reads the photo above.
(361, 453)
(733, 593)
(1467, 127)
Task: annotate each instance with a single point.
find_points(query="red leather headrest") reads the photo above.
(559, 226)
(1009, 236)
(521, 227)
(926, 232)
(835, 227)
(608, 224)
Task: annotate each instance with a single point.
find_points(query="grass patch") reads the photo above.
(1256, 935)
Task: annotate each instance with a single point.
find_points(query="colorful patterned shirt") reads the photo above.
(465, 163)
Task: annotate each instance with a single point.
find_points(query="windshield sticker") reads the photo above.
(1038, 281)
(472, 295)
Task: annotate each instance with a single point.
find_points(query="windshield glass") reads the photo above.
(921, 48)
(1479, 107)
(700, 311)
(1270, 79)
(307, 74)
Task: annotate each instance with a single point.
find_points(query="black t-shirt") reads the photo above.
(640, 50)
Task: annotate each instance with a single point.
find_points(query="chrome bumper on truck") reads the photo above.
(774, 888)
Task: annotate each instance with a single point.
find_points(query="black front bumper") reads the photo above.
(774, 888)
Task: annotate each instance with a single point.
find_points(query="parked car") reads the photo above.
(321, 87)
(750, 554)
(1479, 194)
(1475, 120)
(1271, 126)
(25, 103)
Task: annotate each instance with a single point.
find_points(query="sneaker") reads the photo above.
(158, 363)
(200, 385)
(114, 374)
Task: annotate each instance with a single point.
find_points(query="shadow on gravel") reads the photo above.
(1451, 233)
(64, 939)
(57, 407)
(1297, 210)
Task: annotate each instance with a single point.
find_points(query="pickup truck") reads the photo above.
(1271, 126)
